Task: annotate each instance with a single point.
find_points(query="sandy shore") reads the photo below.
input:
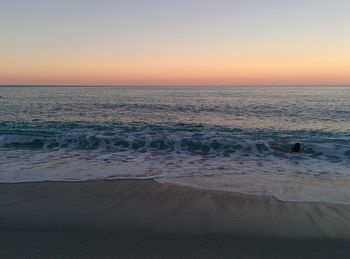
(130, 219)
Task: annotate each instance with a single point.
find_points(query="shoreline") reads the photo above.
(168, 196)
(212, 190)
(135, 218)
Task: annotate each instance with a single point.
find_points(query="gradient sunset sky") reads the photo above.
(178, 42)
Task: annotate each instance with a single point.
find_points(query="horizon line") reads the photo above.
(172, 86)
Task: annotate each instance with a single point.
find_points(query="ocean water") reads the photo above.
(232, 139)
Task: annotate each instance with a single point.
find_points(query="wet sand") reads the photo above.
(146, 219)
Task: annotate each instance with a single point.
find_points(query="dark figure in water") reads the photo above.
(296, 148)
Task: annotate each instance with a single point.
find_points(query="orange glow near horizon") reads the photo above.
(196, 71)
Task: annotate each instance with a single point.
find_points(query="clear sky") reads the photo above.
(175, 42)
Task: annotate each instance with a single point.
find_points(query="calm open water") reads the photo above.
(234, 139)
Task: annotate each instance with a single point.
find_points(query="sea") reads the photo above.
(235, 139)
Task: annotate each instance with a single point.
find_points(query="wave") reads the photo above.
(187, 139)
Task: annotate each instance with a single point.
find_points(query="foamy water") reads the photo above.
(233, 139)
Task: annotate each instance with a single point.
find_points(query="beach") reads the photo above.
(144, 218)
(175, 129)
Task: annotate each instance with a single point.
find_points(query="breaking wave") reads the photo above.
(186, 139)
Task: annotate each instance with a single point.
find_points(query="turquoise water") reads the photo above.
(235, 139)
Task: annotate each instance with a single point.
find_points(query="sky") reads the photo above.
(177, 42)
